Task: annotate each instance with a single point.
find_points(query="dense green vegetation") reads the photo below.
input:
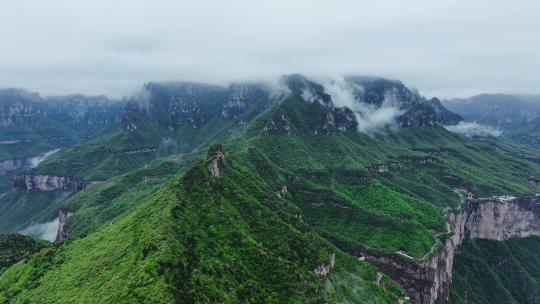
(296, 187)
(31, 126)
(15, 248)
(497, 272)
(104, 202)
(202, 240)
(330, 180)
(173, 119)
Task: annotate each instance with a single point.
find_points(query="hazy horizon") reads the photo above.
(444, 49)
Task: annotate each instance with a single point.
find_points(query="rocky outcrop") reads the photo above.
(10, 165)
(183, 112)
(63, 216)
(325, 267)
(144, 150)
(217, 160)
(398, 164)
(282, 192)
(416, 110)
(50, 183)
(427, 281)
(502, 220)
(22, 107)
(240, 97)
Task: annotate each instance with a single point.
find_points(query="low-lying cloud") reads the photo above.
(45, 231)
(35, 161)
(470, 129)
(370, 118)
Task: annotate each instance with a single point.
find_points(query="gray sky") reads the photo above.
(444, 48)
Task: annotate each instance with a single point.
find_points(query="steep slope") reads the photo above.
(380, 196)
(31, 125)
(15, 248)
(33, 128)
(415, 109)
(164, 119)
(203, 240)
(101, 204)
(19, 210)
(289, 210)
(497, 272)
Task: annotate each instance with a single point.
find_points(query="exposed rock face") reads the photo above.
(417, 110)
(217, 160)
(179, 105)
(50, 183)
(10, 165)
(325, 268)
(185, 112)
(428, 282)
(324, 116)
(282, 192)
(20, 106)
(63, 216)
(504, 220)
(144, 150)
(368, 93)
(240, 97)
(398, 164)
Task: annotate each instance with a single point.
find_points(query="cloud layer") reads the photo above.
(45, 231)
(446, 48)
(470, 129)
(370, 119)
(39, 159)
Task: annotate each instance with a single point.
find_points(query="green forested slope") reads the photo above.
(15, 248)
(497, 272)
(297, 186)
(203, 240)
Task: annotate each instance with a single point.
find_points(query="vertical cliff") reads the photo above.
(428, 281)
(49, 183)
(63, 216)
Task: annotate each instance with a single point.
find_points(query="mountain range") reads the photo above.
(345, 191)
(517, 116)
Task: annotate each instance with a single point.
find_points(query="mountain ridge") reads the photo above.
(297, 200)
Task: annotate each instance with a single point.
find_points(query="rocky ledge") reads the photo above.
(50, 183)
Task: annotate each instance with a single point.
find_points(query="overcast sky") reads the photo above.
(443, 48)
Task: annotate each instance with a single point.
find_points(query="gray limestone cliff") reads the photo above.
(428, 281)
(325, 268)
(10, 165)
(50, 183)
(63, 216)
(217, 160)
